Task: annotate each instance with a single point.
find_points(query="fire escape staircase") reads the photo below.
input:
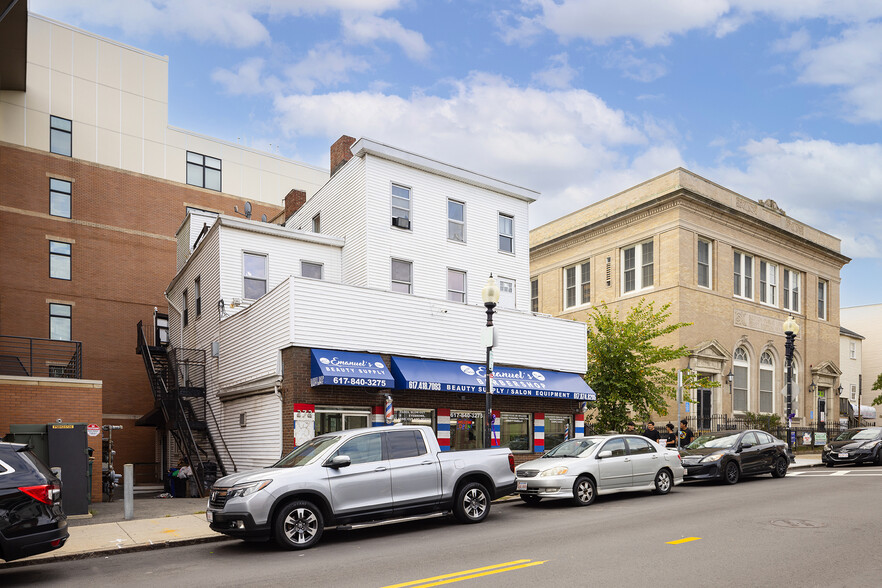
(177, 378)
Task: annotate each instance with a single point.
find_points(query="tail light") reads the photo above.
(511, 462)
(45, 493)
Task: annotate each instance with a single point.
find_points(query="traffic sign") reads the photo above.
(93, 430)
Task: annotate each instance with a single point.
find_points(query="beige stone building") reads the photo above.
(733, 267)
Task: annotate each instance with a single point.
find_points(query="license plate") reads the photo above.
(521, 486)
(209, 516)
(843, 454)
(685, 471)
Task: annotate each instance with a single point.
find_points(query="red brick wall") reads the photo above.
(123, 258)
(45, 400)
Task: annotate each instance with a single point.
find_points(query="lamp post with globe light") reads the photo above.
(490, 296)
(791, 330)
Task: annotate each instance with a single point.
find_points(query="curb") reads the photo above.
(109, 552)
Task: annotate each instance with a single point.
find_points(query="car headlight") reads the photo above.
(827, 447)
(711, 458)
(871, 444)
(558, 471)
(242, 490)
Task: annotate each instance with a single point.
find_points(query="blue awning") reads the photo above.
(344, 368)
(449, 376)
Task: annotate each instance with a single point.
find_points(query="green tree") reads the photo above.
(625, 365)
(877, 385)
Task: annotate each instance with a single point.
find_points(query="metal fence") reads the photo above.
(808, 437)
(40, 358)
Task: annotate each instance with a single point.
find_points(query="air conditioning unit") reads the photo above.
(400, 222)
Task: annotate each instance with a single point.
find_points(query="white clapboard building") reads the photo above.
(365, 308)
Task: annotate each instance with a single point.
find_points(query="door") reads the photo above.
(751, 457)
(615, 471)
(416, 474)
(365, 485)
(68, 450)
(644, 461)
(506, 293)
(705, 408)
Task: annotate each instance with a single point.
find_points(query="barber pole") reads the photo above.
(567, 431)
(389, 410)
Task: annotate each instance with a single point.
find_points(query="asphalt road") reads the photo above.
(810, 529)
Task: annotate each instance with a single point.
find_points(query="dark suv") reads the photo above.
(31, 519)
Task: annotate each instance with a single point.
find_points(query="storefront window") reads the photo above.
(415, 416)
(466, 430)
(556, 428)
(332, 419)
(514, 431)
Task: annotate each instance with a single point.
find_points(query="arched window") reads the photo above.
(741, 386)
(766, 382)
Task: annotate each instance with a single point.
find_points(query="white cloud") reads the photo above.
(633, 67)
(558, 74)
(324, 66)
(363, 29)
(247, 79)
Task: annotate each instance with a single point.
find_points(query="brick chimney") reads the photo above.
(293, 201)
(340, 152)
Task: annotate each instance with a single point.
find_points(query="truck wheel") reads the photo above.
(584, 491)
(298, 525)
(472, 503)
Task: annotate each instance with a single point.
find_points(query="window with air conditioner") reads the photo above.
(401, 207)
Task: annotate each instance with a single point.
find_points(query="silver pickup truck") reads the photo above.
(359, 475)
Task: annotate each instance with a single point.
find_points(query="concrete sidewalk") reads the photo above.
(164, 522)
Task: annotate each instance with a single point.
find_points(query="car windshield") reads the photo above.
(306, 453)
(859, 434)
(571, 448)
(714, 442)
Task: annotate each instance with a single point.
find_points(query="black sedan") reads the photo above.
(857, 446)
(728, 455)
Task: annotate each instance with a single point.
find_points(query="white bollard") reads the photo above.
(128, 491)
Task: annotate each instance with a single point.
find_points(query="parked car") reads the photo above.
(729, 455)
(31, 518)
(857, 446)
(580, 469)
(360, 475)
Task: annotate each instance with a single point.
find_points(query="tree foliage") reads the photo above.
(877, 385)
(625, 365)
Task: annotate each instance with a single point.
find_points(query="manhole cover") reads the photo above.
(798, 523)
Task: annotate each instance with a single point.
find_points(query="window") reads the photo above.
(577, 284)
(203, 171)
(59, 321)
(534, 295)
(639, 446)
(853, 392)
(197, 283)
(637, 267)
(405, 444)
(317, 223)
(704, 263)
(766, 382)
(852, 350)
(506, 293)
(466, 430)
(750, 437)
(59, 198)
(402, 276)
(506, 233)
(400, 207)
(768, 283)
(456, 286)
(514, 431)
(415, 416)
(456, 221)
(822, 299)
(743, 283)
(791, 290)
(185, 316)
(558, 428)
(59, 260)
(60, 136)
(254, 275)
(363, 449)
(309, 269)
(740, 385)
(616, 446)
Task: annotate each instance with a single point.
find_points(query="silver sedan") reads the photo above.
(580, 469)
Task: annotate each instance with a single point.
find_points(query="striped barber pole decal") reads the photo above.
(580, 426)
(377, 418)
(444, 428)
(538, 432)
(494, 431)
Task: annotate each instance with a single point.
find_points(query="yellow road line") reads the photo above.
(684, 540)
(469, 574)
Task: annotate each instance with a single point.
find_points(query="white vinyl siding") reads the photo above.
(259, 443)
(790, 290)
(743, 279)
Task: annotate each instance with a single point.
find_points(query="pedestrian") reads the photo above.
(670, 436)
(686, 434)
(651, 433)
(631, 428)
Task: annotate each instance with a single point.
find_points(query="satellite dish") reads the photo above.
(263, 218)
(247, 210)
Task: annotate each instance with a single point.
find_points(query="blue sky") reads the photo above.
(577, 99)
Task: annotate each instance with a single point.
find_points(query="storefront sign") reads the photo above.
(344, 368)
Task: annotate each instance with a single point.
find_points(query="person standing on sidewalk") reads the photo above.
(651, 433)
(686, 434)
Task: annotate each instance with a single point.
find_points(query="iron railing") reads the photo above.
(813, 435)
(40, 358)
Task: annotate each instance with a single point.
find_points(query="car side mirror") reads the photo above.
(338, 461)
(746, 445)
(604, 454)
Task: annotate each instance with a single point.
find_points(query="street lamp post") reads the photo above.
(490, 296)
(791, 330)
